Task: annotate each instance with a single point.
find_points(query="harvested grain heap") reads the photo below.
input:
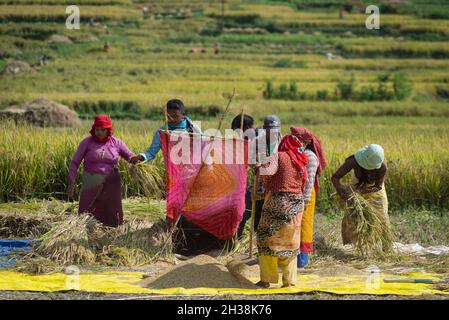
(200, 272)
(44, 113)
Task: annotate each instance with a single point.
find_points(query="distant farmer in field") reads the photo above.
(369, 171)
(217, 48)
(44, 59)
(107, 47)
(279, 231)
(101, 189)
(315, 166)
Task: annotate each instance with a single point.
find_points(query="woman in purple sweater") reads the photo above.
(101, 193)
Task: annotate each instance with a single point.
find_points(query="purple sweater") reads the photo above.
(98, 157)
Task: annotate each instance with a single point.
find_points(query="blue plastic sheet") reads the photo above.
(8, 247)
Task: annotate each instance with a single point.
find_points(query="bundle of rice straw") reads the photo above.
(82, 240)
(124, 257)
(35, 264)
(371, 235)
(71, 241)
(150, 179)
(137, 242)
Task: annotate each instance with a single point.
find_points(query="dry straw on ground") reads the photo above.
(69, 241)
(81, 240)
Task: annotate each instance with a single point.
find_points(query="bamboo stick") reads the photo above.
(253, 213)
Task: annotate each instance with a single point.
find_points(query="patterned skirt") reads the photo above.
(279, 231)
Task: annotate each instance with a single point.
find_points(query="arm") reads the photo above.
(271, 167)
(76, 160)
(123, 151)
(154, 148)
(311, 167)
(340, 173)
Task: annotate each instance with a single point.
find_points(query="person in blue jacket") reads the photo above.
(177, 120)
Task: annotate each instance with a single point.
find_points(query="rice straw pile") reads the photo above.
(68, 241)
(35, 264)
(372, 236)
(82, 240)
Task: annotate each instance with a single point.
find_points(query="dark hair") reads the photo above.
(363, 180)
(248, 122)
(175, 104)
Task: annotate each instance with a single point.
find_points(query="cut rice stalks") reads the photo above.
(372, 236)
(150, 179)
(35, 264)
(82, 240)
(70, 241)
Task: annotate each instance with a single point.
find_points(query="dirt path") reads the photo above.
(22, 295)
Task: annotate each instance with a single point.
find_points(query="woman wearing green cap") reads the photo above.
(369, 170)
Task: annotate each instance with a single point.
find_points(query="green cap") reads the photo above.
(370, 157)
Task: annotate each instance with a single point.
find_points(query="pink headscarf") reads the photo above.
(308, 137)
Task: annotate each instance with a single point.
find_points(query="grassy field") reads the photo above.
(261, 41)
(416, 154)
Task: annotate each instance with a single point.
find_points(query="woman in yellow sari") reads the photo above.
(369, 170)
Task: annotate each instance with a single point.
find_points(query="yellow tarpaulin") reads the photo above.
(127, 282)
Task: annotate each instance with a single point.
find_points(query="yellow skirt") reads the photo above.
(378, 201)
(307, 225)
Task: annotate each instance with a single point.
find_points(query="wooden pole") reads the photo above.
(166, 119)
(226, 110)
(241, 120)
(253, 213)
(253, 198)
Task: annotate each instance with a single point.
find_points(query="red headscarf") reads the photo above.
(295, 149)
(104, 121)
(308, 137)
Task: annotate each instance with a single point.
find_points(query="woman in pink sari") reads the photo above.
(101, 193)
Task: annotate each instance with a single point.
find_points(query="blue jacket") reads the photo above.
(185, 125)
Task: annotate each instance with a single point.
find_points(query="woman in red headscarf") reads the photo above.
(101, 193)
(316, 164)
(279, 230)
